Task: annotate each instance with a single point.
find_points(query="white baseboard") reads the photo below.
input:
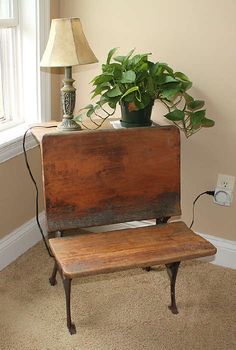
(226, 249)
(20, 240)
(26, 236)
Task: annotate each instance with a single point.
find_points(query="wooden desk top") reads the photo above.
(40, 129)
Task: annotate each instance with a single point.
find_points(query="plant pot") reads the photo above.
(135, 118)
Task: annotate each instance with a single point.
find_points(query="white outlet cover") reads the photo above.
(226, 182)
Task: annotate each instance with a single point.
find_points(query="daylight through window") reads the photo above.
(9, 70)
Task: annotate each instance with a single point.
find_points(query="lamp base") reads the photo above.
(69, 125)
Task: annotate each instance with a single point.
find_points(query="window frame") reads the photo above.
(39, 103)
(13, 20)
(9, 65)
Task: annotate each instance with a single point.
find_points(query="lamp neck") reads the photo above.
(68, 72)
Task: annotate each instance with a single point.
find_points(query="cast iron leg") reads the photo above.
(67, 287)
(52, 279)
(172, 270)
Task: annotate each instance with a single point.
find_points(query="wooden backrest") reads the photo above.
(110, 176)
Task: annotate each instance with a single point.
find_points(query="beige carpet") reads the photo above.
(118, 311)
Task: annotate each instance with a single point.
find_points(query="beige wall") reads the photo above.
(17, 204)
(198, 38)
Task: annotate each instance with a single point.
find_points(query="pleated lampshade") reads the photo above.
(67, 45)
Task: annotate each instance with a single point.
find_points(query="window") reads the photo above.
(8, 13)
(24, 89)
(9, 68)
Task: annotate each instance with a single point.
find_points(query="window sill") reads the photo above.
(11, 142)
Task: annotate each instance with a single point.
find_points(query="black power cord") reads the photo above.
(35, 185)
(210, 193)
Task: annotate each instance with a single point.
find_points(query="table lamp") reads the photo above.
(67, 46)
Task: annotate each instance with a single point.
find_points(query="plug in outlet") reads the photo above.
(226, 182)
(224, 190)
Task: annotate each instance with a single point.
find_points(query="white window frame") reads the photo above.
(13, 20)
(9, 65)
(36, 84)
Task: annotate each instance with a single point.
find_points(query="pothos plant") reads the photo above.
(137, 80)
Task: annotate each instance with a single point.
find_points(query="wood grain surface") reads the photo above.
(111, 176)
(123, 249)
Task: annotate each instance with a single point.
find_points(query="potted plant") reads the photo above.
(135, 83)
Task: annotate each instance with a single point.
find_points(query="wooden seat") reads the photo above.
(112, 176)
(92, 254)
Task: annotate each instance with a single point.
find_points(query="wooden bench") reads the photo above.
(112, 176)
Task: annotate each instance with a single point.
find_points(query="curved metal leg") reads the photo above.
(52, 279)
(172, 270)
(67, 287)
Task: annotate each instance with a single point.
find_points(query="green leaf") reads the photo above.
(88, 106)
(207, 123)
(199, 114)
(165, 79)
(128, 56)
(130, 97)
(110, 54)
(142, 67)
(100, 88)
(129, 91)
(195, 104)
(114, 92)
(78, 118)
(187, 97)
(171, 93)
(181, 76)
(196, 118)
(128, 77)
(103, 100)
(109, 68)
(153, 67)
(90, 112)
(137, 59)
(150, 87)
(164, 67)
(175, 115)
(119, 59)
(113, 102)
(102, 78)
(186, 85)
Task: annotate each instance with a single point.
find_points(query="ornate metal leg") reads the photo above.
(67, 287)
(52, 279)
(172, 270)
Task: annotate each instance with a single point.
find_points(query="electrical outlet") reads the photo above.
(224, 190)
(226, 182)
